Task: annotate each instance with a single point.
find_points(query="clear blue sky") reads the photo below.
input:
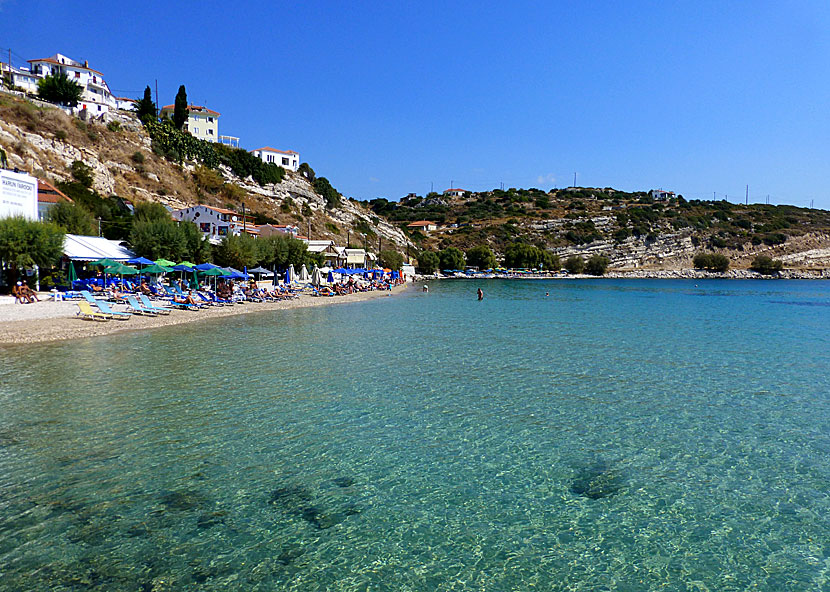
(383, 99)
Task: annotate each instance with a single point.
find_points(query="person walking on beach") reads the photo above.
(480, 294)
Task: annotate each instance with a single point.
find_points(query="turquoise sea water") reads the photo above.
(614, 435)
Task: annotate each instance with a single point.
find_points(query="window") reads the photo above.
(77, 74)
(270, 158)
(210, 119)
(195, 130)
(284, 161)
(210, 132)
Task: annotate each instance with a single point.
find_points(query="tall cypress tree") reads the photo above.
(146, 108)
(180, 108)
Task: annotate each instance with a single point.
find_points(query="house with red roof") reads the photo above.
(96, 98)
(47, 196)
(455, 192)
(202, 122)
(287, 159)
(423, 225)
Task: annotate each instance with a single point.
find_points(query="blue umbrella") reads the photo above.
(288, 277)
(140, 261)
(183, 268)
(331, 278)
(206, 266)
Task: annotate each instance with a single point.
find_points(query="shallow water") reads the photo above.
(614, 435)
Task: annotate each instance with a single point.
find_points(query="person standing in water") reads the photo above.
(480, 294)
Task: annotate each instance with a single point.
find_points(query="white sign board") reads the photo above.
(18, 195)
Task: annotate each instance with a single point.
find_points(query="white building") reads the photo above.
(287, 159)
(125, 104)
(214, 223)
(202, 122)
(333, 256)
(660, 195)
(425, 225)
(22, 78)
(96, 97)
(455, 192)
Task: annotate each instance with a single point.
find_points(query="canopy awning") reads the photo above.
(92, 248)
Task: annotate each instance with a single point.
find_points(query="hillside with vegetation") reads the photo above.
(109, 168)
(632, 230)
(104, 166)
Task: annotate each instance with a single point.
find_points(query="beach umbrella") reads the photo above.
(289, 274)
(261, 271)
(331, 277)
(140, 261)
(206, 267)
(156, 268)
(214, 271)
(165, 262)
(71, 274)
(187, 263)
(304, 276)
(182, 267)
(105, 262)
(120, 269)
(316, 277)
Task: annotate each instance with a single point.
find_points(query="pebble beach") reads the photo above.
(57, 321)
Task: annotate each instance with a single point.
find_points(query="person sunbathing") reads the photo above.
(19, 295)
(187, 299)
(144, 288)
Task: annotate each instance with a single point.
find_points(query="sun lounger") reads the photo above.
(137, 308)
(85, 311)
(147, 304)
(105, 308)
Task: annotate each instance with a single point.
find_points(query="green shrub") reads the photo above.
(766, 265)
(82, 173)
(711, 262)
(138, 157)
(597, 265)
(114, 126)
(575, 264)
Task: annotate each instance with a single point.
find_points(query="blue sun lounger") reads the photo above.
(147, 304)
(104, 307)
(137, 308)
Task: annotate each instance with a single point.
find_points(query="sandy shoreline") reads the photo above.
(56, 321)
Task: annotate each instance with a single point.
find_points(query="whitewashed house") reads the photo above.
(356, 258)
(125, 104)
(333, 257)
(202, 123)
(455, 192)
(96, 98)
(215, 223)
(660, 195)
(424, 225)
(287, 159)
(22, 78)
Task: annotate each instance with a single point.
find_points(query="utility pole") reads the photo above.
(574, 178)
(767, 198)
(244, 225)
(713, 196)
(309, 231)
(99, 226)
(747, 195)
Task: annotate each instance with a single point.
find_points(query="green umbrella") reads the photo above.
(188, 263)
(165, 262)
(156, 268)
(105, 262)
(195, 283)
(120, 269)
(215, 271)
(71, 274)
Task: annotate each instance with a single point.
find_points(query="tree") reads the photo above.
(145, 108)
(82, 173)
(155, 239)
(150, 211)
(597, 265)
(236, 251)
(329, 193)
(523, 255)
(575, 264)
(766, 265)
(451, 258)
(711, 262)
(199, 249)
(305, 170)
(280, 251)
(390, 259)
(180, 111)
(25, 243)
(481, 257)
(428, 262)
(58, 88)
(73, 218)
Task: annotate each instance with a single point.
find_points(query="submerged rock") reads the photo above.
(343, 481)
(184, 499)
(287, 556)
(288, 496)
(597, 481)
(210, 519)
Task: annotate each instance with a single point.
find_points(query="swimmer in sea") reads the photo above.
(426, 288)
(480, 294)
